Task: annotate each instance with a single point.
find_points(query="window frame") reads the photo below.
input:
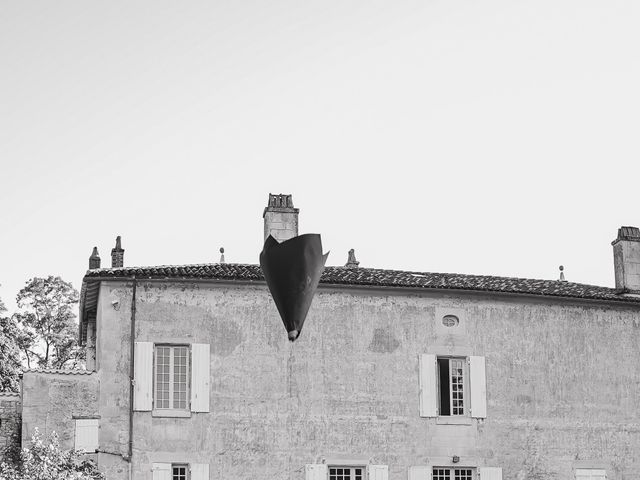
(171, 410)
(352, 475)
(474, 471)
(466, 387)
(187, 470)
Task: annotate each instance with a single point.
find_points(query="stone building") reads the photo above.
(397, 375)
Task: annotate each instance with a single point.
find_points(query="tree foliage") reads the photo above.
(48, 322)
(44, 460)
(9, 352)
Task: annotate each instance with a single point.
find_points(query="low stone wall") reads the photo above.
(10, 424)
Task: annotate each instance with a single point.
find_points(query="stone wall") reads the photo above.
(10, 413)
(562, 383)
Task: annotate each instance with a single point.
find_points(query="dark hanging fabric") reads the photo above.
(292, 270)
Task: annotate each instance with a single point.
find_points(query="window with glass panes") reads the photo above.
(452, 381)
(452, 473)
(346, 473)
(171, 377)
(179, 472)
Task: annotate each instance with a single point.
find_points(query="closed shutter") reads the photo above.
(199, 471)
(316, 471)
(490, 473)
(478, 387)
(161, 471)
(200, 374)
(143, 377)
(378, 472)
(86, 436)
(428, 386)
(419, 472)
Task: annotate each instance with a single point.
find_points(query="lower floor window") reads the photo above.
(179, 472)
(346, 473)
(452, 473)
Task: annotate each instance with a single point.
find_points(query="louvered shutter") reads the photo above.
(161, 471)
(490, 473)
(199, 471)
(200, 372)
(143, 376)
(478, 387)
(316, 471)
(428, 386)
(86, 435)
(378, 472)
(419, 472)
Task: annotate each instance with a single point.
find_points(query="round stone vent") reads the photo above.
(450, 321)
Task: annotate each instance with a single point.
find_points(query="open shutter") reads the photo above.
(199, 471)
(419, 472)
(316, 471)
(478, 387)
(143, 376)
(200, 360)
(86, 436)
(428, 386)
(490, 473)
(378, 472)
(161, 471)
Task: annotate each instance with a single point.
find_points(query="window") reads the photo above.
(443, 473)
(591, 474)
(452, 380)
(346, 473)
(171, 377)
(179, 472)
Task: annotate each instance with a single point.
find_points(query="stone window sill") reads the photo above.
(171, 413)
(454, 421)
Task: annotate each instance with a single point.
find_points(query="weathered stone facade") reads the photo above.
(10, 419)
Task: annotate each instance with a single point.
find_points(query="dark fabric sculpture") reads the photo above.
(292, 270)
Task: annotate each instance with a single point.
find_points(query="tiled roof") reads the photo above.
(58, 371)
(374, 278)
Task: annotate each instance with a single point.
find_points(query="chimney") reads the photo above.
(117, 254)
(94, 259)
(626, 259)
(280, 218)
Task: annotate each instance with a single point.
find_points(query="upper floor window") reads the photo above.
(180, 471)
(171, 377)
(452, 376)
(445, 473)
(346, 473)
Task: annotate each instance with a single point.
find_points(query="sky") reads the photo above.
(488, 137)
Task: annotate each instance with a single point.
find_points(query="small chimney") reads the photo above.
(222, 255)
(117, 254)
(626, 259)
(351, 260)
(94, 259)
(280, 218)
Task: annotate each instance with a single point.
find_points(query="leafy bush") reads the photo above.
(44, 460)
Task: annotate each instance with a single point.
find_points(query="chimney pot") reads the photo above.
(94, 259)
(351, 260)
(117, 254)
(626, 259)
(280, 218)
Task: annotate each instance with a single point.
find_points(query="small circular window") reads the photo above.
(450, 321)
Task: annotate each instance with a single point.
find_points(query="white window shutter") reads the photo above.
(199, 471)
(86, 436)
(161, 471)
(200, 375)
(478, 387)
(316, 471)
(428, 386)
(490, 473)
(378, 472)
(143, 377)
(419, 472)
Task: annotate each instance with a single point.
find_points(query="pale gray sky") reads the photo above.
(488, 137)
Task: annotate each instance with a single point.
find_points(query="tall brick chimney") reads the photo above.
(94, 259)
(280, 218)
(626, 259)
(117, 254)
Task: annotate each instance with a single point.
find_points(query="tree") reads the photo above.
(48, 321)
(9, 352)
(46, 461)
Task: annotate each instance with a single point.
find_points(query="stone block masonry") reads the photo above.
(10, 421)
